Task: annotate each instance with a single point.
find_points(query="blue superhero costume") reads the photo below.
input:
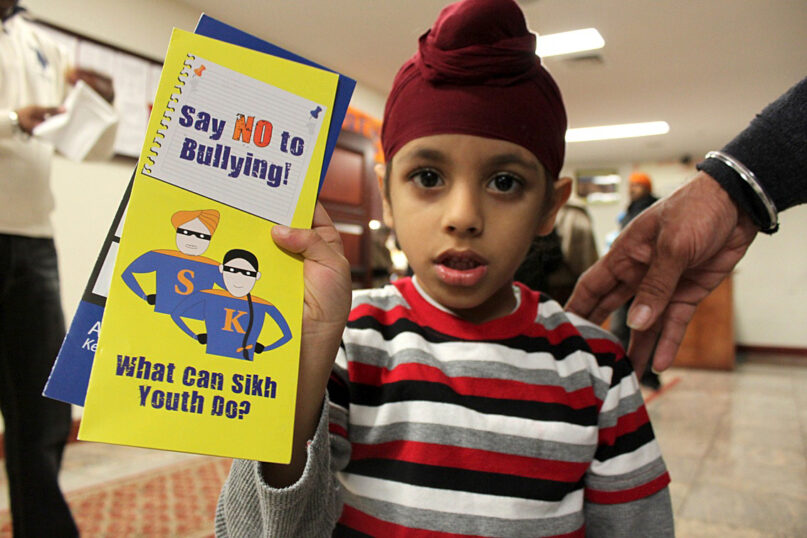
(233, 324)
(178, 277)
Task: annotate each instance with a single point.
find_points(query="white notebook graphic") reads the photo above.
(236, 140)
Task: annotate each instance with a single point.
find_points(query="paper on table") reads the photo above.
(87, 127)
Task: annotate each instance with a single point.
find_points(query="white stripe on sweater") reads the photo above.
(425, 412)
(469, 352)
(629, 462)
(459, 502)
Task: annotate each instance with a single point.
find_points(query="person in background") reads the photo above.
(676, 252)
(380, 256)
(458, 402)
(35, 75)
(640, 191)
(555, 261)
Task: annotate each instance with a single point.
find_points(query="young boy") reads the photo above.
(460, 403)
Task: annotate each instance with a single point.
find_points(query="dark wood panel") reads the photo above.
(344, 180)
(709, 340)
(350, 195)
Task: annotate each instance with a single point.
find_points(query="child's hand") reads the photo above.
(326, 273)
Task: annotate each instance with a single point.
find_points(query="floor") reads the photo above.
(736, 447)
(735, 444)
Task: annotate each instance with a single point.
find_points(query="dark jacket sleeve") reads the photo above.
(774, 148)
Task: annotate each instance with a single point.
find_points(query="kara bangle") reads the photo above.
(749, 177)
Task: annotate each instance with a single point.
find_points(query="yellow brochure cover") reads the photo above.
(200, 339)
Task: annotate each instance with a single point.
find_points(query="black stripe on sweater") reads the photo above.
(403, 391)
(626, 443)
(529, 344)
(453, 479)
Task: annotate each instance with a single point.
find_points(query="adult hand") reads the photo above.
(32, 115)
(97, 81)
(669, 257)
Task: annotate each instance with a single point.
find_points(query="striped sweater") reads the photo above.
(527, 425)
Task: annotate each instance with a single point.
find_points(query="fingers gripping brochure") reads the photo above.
(199, 346)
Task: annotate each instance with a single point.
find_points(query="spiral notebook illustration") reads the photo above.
(249, 149)
(71, 370)
(199, 346)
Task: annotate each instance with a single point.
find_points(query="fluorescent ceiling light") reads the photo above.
(568, 42)
(609, 132)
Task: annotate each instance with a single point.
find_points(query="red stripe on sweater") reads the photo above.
(472, 459)
(603, 345)
(367, 524)
(628, 495)
(499, 329)
(336, 429)
(473, 386)
(359, 521)
(625, 424)
(480, 332)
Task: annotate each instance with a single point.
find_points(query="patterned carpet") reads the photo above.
(178, 501)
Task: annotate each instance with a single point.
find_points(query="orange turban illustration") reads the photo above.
(209, 217)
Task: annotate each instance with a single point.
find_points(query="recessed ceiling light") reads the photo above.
(568, 42)
(625, 130)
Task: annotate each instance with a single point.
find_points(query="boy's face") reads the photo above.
(465, 210)
(193, 237)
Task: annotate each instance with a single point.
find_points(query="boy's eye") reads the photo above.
(428, 179)
(504, 183)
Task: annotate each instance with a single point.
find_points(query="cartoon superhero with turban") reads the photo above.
(179, 273)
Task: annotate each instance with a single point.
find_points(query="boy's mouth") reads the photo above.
(460, 268)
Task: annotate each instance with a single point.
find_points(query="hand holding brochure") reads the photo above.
(200, 340)
(86, 128)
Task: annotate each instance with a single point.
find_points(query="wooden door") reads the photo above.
(350, 195)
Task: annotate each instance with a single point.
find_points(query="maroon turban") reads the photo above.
(476, 73)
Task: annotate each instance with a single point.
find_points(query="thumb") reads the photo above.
(306, 242)
(655, 290)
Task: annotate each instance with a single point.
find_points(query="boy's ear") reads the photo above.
(563, 189)
(380, 172)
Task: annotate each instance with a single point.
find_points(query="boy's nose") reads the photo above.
(462, 212)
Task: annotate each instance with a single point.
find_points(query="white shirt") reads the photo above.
(32, 72)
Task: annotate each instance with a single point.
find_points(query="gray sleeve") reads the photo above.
(248, 507)
(650, 516)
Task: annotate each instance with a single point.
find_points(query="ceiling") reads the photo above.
(704, 66)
